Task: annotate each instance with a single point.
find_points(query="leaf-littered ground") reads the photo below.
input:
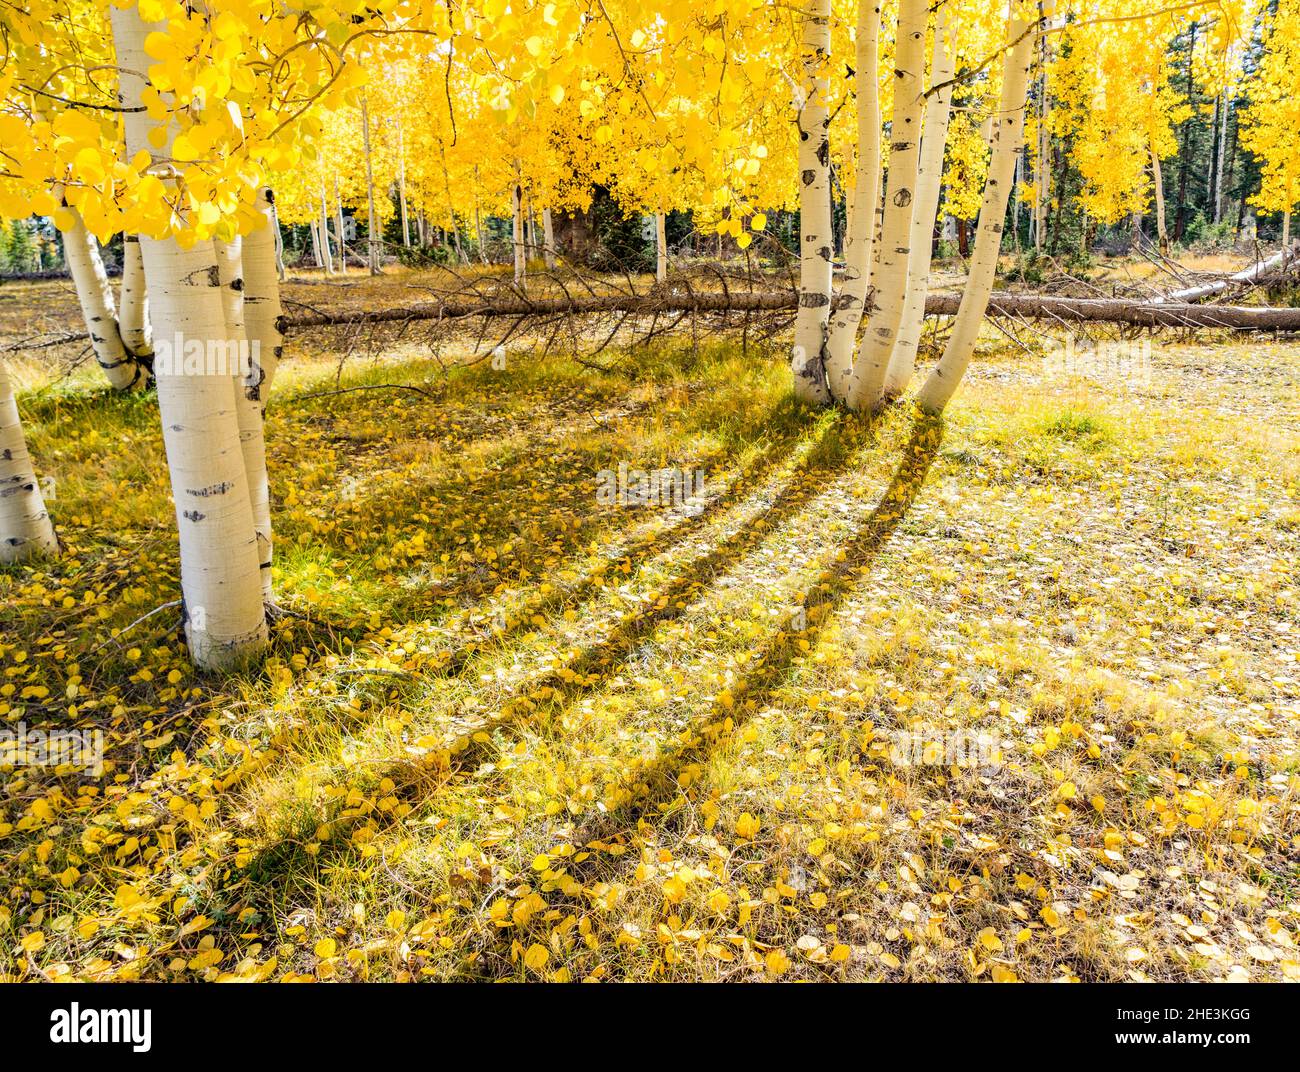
(1014, 696)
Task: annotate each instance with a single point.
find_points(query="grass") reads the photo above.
(509, 733)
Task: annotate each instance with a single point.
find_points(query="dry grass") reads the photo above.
(520, 734)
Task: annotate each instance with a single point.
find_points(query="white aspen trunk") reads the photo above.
(1159, 181)
(478, 221)
(934, 137)
(325, 232)
(133, 304)
(517, 231)
(225, 621)
(247, 375)
(1042, 172)
(314, 227)
(401, 186)
(890, 280)
(338, 227)
(548, 238)
(1286, 227)
(1219, 158)
(371, 237)
(808, 360)
(1008, 139)
(263, 314)
(842, 338)
(95, 295)
(25, 527)
(661, 247)
(280, 272)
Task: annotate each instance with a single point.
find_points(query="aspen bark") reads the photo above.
(314, 227)
(517, 231)
(247, 375)
(1008, 137)
(372, 238)
(1162, 235)
(338, 227)
(263, 314)
(934, 136)
(133, 305)
(548, 238)
(95, 295)
(842, 338)
(1221, 155)
(890, 280)
(225, 621)
(326, 251)
(808, 360)
(661, 248)
(401, 186)
(25, 527)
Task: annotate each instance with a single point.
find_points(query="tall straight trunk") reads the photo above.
(517, 230)
(280, 272)
(95, 296)
(225, 620)
(1185, 153)
(1008, 138)
(326, 251)
(133, 303)
(1042, 171)
(808, 360)
(372, 238)
(263, 313)
(842, 336)
(478, 222)
(934, 137)
(548, 238)
(890, 281)
(661, 248)
(401, 186)
(1220, 155)
(247, 375)
(338, 227)
(1158, 180)
(313, 226)
(25, 527)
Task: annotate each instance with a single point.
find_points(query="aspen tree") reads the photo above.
(809, 357)
(133, 306)
(95, 295)
(25, 527)
(661, 248)
(548, 238)
(1007, 140)
(890, 278)
(372, 237)
(225, 620)
(934, 136)
(517, 231)
(842, 339)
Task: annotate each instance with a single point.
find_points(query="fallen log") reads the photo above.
(1262, 273)
(1019, 306)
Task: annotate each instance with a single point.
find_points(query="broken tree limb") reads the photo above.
(1020, 306)
(1262, 272)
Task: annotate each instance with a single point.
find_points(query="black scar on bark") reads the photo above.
(813, 299)
(824, 252)
(236, 284)
(807, 177)
(900, 146)
(903, 198)
(6, 455)
(803, 135)
(214, 277)
(210, 490)
(192, 515)
(824, 152)
(281, 325)
(270, 196)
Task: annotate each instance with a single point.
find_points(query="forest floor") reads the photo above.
(1015, 696)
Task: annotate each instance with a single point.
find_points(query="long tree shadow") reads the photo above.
(652, 788)
(415, 778)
